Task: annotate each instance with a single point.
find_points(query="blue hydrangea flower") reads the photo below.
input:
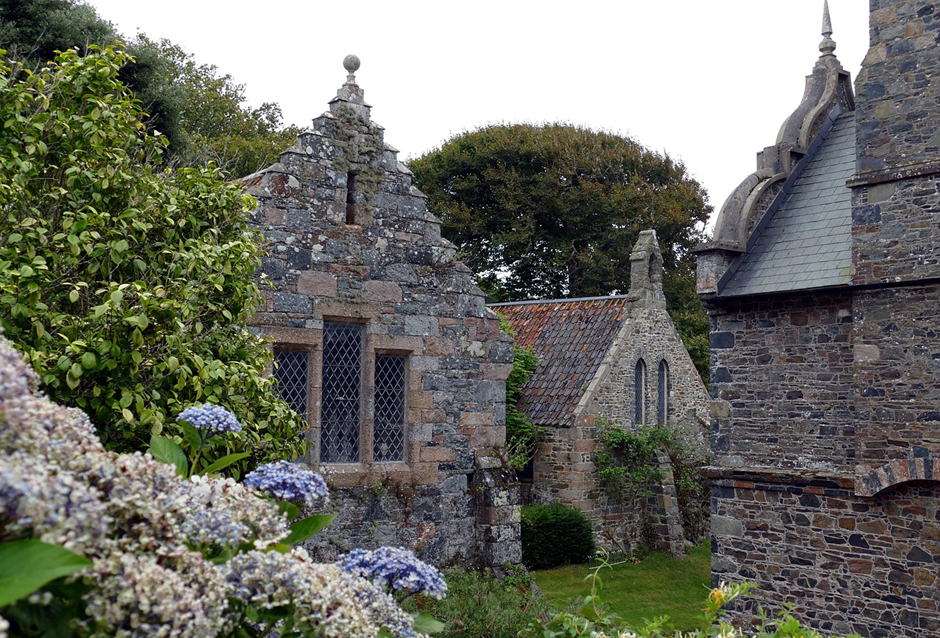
(289, 482)
(211, 419)
(395, 568)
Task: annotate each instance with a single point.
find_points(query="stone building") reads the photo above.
(823, 282)
(383, 342)
(614, 360)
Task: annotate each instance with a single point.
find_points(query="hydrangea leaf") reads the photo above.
(426, 624)
(167, 451)
(306, 527)
(224, 462)
(288, 509)
(27, 565)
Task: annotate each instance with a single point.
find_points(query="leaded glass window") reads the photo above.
(639, 392)
(342, 390)
(662, 395)
(290, 370)
(389, 408)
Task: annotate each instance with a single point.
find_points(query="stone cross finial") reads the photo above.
(828, 45)
(351, 64)
(646, 273)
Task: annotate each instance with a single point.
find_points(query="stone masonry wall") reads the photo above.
(651, 336)
(845, 564)
(897, 88)
(782, 375)
(897, 361)
(898, 139)
(350, 240)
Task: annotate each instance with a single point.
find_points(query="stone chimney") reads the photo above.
(646, 273)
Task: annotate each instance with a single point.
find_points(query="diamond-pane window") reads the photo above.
(342, 389)
(662, 405)
(639, 392)
(389, 408)
(290, 370)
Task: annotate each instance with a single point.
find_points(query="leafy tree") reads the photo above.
(202, 115)
(553, 211)
(128, 288)
(219, 126)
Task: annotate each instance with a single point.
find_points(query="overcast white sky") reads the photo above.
(707, 81)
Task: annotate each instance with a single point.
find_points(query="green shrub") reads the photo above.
(554, 535)
(478, 605)
(127, 288)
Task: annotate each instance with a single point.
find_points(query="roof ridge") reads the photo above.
(535, 301)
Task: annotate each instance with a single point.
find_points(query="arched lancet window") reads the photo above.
(639, 392)
(662, 395)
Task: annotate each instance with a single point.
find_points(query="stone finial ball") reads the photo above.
(351, 63)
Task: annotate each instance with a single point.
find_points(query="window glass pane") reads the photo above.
(639, 391)
(342, 385)
(663, 392)
(389, 408)
(290, 370)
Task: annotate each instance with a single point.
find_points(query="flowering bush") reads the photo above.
(395, 569)
(290, 482)
(211, 419)
(169, 556)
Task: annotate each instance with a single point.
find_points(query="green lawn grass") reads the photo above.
(660, 585)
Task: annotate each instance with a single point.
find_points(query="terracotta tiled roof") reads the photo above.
(571, 338)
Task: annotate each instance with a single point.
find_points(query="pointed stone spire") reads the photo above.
(828, 45)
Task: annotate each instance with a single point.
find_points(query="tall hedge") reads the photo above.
(555, 534)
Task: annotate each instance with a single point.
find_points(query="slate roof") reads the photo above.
(571, 338)
(807, 242)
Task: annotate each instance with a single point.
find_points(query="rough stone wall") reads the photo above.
(897, 88)
(897, 364)
(782, 375)
(898, 139)
(845, 564)
(650, 335)
(351, 240)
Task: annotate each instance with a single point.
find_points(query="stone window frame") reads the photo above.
(663, 391)
(640, 377)
(310, 340)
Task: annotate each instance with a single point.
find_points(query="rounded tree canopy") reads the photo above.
(553, 210)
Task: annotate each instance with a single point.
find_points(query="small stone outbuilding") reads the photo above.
(383, 342)
(612, 360)
(823, 282)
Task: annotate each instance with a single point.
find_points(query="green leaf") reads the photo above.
(191, 435)
(89, 360)
(167, 451)
(425, 624)
(224, 462)
(306, 527)
(27, 565)
(288, 509)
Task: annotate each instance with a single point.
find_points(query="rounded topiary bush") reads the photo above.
(554, 535)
